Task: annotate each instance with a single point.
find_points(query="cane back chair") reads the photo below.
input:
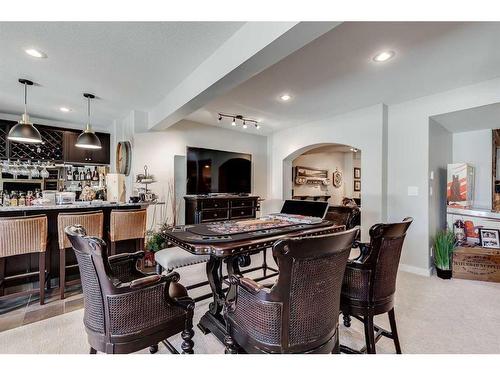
(370, 283)
(297, 315)
(344, 215)
(22, 236)
(127, 225)
(93, 224)
(127, 310)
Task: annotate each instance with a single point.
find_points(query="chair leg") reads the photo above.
(187, 343)
(264, 262)
(92, 351)
(394, 330)
(153, 349)
(2, 276)
(369, 334)
(41, 271)
(62, 272)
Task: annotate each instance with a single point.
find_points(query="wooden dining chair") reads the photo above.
(127, 225)
(125, 309)
(22, 236)
(370, 283)
(298, 314)
(91, 221)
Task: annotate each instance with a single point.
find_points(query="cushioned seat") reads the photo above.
(175, 257)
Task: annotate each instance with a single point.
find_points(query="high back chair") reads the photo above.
(370, 283)
(23, 235)
(298, 314)
(127, 225)
(127, 310)
(93, 224)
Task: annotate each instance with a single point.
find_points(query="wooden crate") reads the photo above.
(476, 263)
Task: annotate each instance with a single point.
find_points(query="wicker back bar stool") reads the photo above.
(370, 283)
(127, 225)
(23, 235)
(299, 313)
(91, 221)
(126, 310)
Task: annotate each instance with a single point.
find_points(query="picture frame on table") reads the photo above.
(357, 185)
(489, 238)
(357, 173)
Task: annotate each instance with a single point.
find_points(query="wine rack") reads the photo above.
(50, 149)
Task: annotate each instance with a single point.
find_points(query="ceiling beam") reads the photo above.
(253, 48)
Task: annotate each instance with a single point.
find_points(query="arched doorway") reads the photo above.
(326, 171)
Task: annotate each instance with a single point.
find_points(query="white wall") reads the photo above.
(158, 149)
(475, 148)
(440, 155)
(408, 161)
(363, 129)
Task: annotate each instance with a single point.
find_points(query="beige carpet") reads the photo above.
(433, 315)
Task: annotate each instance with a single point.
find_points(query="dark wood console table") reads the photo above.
(205, 209)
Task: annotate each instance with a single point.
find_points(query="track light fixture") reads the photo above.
(244, 120)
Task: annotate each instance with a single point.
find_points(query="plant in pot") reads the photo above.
(444, 244)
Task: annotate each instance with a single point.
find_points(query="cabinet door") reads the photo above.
(73, 154)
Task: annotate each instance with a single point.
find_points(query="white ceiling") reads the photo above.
(335, 73)
(478, 118)
(128, 65)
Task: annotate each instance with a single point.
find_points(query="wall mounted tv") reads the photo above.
(214, 171)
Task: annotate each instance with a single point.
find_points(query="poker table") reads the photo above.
(232, 243)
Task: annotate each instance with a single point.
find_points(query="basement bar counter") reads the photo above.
(29, 263)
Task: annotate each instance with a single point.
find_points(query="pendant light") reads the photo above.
(88, 139)
(24, 131)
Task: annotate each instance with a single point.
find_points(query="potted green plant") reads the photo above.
(444, 244)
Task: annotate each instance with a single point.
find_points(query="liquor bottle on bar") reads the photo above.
(69, 175)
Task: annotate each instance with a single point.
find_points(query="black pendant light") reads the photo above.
(88, 139)
(24, 131)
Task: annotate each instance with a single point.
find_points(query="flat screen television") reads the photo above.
(214, 171)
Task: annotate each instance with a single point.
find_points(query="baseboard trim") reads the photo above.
(416, 270)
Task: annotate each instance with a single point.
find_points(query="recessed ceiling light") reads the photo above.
(64, 109)
(383, 56)
(285, 97)
(36, 53)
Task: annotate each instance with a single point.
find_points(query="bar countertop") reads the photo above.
(77, 205)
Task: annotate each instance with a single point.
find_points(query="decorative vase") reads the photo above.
(443, 274)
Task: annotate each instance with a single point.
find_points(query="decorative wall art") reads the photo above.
(357, 173)
(337, 178)
(311, 176)
(357, 185)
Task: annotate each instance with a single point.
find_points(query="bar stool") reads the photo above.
(23, 235)
(92, 221)
(127, 225)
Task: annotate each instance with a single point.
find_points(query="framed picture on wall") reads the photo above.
(357, 173)
(489, 238)
(357, 185)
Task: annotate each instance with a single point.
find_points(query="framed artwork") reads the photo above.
(357, 185)
(357, 173)
(337, 178)
(489, 238)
